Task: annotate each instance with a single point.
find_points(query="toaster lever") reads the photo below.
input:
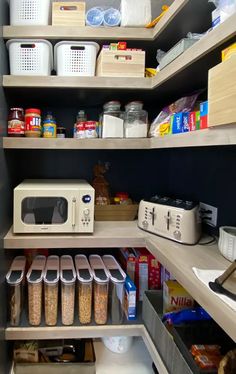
(168, 220)
(152, 213)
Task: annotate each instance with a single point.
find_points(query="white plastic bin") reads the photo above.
(75, 58)
(30, 12)
(30, 57)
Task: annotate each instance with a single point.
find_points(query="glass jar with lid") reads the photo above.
(111, 121)
(135, 120)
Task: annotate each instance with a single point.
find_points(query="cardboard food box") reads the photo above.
(130, 299)
(115, 212)
(222, 93)
(204, 115)
(143, 269)
(175, 297)
(68, 13)
(120, 63)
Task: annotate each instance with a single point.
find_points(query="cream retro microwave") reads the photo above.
(53, 206)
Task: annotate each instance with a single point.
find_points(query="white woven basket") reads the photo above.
(75, 58)
(30, 57)
(227, 242)
(30, 12)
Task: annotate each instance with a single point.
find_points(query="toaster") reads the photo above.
(173, 219)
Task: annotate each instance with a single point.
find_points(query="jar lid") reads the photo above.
(21, 109)
(112, 105)
(134, 105)
(33, 110)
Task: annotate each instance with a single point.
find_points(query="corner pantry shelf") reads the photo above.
(223, 135)
(177, 258)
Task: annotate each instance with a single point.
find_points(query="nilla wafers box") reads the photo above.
(175, 297)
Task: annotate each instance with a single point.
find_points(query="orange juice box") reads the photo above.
(175, 297)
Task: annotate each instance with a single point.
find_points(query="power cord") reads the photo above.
(213, 240)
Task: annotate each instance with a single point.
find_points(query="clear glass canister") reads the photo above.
(101, 285)
(111, 120)
(35, 289)
(15, 281)
(135, 120)
(51, 283)
(68, 278)
(85, 287)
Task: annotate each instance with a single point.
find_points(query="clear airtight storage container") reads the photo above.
(35, 290)
(68, 278)
(116, 288)
(101, 284)
(85, 288)
(51, 283)
(15, 281)
(135, 120)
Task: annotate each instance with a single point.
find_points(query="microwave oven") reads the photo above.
(53, 206)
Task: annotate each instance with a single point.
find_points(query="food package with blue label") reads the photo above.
(130, 300)
(204, 115)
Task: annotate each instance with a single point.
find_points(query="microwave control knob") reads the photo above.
(86, 212)
(177, 234)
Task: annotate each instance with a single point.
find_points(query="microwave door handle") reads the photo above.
(73, 211)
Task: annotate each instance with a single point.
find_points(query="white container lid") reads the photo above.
(67, 270)
(116, 274)
(16, 272)
(52, 270)
(83, 269)
(33, 41)
(36, 270)
(99, 271)
(72, 44)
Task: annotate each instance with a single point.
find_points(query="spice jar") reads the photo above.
(15, 281)
(101, 284)
(16, 124)
(111, 120)
(51, 282)
(135, 120)
(116, 289)
(33, 123)
(68, 278)
(85, 286)
(49, 126)
(35, 288)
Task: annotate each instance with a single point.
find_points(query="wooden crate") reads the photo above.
(222, 93)
(116, 212)
(68, 13)
(121, 63)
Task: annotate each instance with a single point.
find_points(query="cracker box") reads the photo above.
(192, 121)
(175, 297)
(198, 120)
(204, 115)
(185, 122)
(177, 123)
(128, 260)
(130, 299)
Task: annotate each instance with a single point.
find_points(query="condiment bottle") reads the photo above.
(16, 124)
(79, 126)
(49, 126)
(33, 123)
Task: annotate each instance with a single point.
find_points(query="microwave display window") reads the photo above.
(44, 210)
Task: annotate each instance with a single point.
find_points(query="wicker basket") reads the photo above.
(116, 212)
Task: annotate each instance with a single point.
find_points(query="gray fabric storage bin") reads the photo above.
(163, 340)
(55, 368)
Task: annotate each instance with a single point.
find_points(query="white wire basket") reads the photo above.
(75, 58)
(30, 57)
(30, 12)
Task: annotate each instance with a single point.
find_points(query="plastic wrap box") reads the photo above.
(121, 63)
(222, 93)
(175, 51)
(163, 340)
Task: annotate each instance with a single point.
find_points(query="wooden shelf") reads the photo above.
(179, 260)
(106, 234)
(69, 143)
(53, 81)
(215, 136)
(201, 48)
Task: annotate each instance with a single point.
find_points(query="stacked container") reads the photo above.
(101, 284)
(30, 12)
(116, 288)
(85, 287)
(68, 278)
(15, 281)
(35, 287)
(51, 283)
